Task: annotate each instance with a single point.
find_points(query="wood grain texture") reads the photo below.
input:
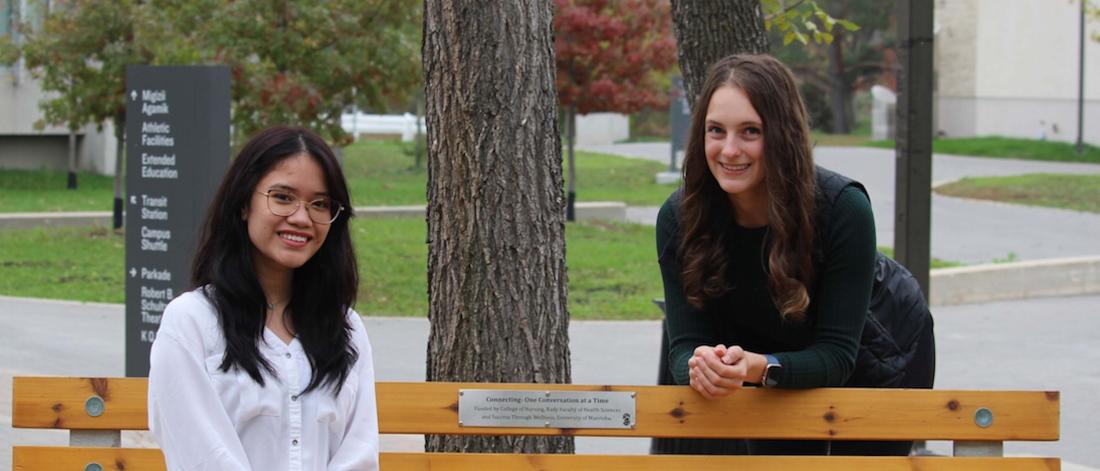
(49, 458)
(133, 459)
(481, 462)
(837, 414)
(662, 411)
(58, 403)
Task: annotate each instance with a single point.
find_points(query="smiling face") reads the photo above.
(734, 147)
(282, 243)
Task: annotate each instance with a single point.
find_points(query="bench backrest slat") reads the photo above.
(662, 411)
(30, 458)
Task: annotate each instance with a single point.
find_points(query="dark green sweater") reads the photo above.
(819, 352)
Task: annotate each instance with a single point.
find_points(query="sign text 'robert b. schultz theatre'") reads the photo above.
(177, 147)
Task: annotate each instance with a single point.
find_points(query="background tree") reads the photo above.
(297, 62)
(599, 69)
(292, 61)
(708, 30)
(496, 229)
(80, 53)
(854, 58)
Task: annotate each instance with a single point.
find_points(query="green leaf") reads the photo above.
(848, 25)
(789, 37)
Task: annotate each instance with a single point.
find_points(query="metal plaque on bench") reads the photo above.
(546, 409)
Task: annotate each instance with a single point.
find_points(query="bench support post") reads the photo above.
(100, 438)
(979, 448)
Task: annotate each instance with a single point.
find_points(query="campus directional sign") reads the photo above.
(177, 147)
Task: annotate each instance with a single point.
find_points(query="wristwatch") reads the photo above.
(772, 372)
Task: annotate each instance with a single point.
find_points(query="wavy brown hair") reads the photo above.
(706, 214)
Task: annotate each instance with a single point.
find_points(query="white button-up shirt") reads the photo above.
(207, 419)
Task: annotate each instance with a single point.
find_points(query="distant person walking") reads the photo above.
(264, 365)
(767, 260)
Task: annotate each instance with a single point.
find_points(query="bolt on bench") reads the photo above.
(95, 410)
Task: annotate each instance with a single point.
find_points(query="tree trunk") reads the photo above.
(840, 91)
(708, 30)
(496, 229)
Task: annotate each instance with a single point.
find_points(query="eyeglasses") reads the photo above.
(321, 210)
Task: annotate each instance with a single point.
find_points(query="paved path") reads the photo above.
(968, 231)
(1039, 344)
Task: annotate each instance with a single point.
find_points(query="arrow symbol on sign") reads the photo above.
(133, 94)
(133, 272)
(133, 199)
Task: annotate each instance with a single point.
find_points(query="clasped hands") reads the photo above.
(719, 370)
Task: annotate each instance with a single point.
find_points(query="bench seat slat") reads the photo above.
(536, 462)
(32, 458)
(662, 411)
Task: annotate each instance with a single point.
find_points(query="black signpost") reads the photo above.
(679, 119)
(177, 147)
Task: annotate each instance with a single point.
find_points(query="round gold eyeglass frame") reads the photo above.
(287, 208)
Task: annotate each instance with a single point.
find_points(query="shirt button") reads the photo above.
(294, 397)
(294, 442)
(287, 354)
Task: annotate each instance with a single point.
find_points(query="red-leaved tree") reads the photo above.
(610, 56)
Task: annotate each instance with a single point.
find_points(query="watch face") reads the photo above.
(771, 375)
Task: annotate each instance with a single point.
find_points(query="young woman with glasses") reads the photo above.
(264, 365)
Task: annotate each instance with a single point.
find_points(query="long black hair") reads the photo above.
(322, 290)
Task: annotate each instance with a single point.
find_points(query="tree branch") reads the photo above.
(785, 9)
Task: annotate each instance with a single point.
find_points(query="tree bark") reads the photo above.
(840, 89)
(708, 30)
(496, 220)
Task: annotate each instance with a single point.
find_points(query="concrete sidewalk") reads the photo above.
(1042, 344)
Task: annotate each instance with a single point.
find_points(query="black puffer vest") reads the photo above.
(898, 319)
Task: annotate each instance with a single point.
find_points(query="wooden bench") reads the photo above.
(95, 410)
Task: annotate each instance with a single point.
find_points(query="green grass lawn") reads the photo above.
(81, 264)
(1076, 192)
(379, 173)
(44, 190)
(613, 272)
(1005, 147)
(839, 140)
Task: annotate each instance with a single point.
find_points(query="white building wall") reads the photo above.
(956, 61)
(602, 128)
(1010, 68)
(24, 147)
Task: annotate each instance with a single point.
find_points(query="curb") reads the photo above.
(1017, 280)
(604, 210)
(59, 219)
